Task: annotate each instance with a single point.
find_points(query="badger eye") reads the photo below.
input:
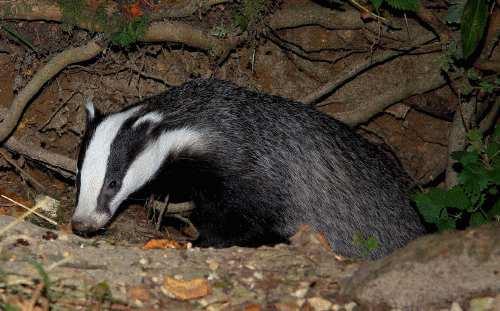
(112, 184)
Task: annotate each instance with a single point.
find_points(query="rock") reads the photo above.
(319, 304)
(455, 307)
(431, 270)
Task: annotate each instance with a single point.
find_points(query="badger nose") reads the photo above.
(82, 228)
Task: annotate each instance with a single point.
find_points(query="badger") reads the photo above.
(256, 167)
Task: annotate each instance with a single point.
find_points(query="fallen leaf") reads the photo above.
(185, 290)
(138, 293)
(253, 307)
(162, 244)
(134, 10)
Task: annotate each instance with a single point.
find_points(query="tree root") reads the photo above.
(47, 72)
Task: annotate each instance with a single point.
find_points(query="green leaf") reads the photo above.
(494, 175)
(377, 3)
(466, 158)
(446, 223)
(486, 86)
(473, 24)
(494, 211)
(492, 150)
(477, 219)
(474, 135)
(371, 243)
(496, 133)
(473, 74)
(457, 198)
(404, 5)
(431, 204)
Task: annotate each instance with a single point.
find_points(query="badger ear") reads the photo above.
(92, 112)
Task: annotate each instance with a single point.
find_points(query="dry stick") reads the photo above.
(54, 161)
(36, 184)
(352, 72)
(27, 208)
(47, 72)
(490, 119)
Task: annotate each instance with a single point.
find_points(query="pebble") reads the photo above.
(319, 304)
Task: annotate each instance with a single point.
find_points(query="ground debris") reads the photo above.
(284, 277)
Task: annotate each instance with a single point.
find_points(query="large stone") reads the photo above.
(451, 266)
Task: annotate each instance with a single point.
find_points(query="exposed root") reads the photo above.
(47, 72)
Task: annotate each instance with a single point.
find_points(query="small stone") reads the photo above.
(212, 264)
(481, 304)
(258, 275)
(455, 307)
(336, 307)
(351, 306)
(319, 304)
(143, 261)
(301, 292)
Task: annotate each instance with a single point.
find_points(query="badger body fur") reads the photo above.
(256, 166)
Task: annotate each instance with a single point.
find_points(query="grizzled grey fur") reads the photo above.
(266, 165)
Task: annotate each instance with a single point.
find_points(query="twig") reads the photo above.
(362, 8)
(47, 72)
(25, 175)
(59, 263)
(57, 110)
(27, 208)
(490, 119)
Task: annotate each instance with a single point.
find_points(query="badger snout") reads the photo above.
(85, 228)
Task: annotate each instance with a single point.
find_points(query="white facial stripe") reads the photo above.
(96, 159)
(89, 107)
(149, 161)
(153, 117)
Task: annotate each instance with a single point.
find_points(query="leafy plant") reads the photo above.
(473, 24)
(130, 32)
(402, 5)
(367, 245)
(472, 17)
(249, 13)
(475, 200)
(124, 27)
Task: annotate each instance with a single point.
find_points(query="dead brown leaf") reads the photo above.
(185, 290)
(162, 244)
(138, 293)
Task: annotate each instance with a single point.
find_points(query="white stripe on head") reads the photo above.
(96, 160)
(149, 161)
(90, 108)
(153, 117)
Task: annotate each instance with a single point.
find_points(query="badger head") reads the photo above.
(120, 153)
